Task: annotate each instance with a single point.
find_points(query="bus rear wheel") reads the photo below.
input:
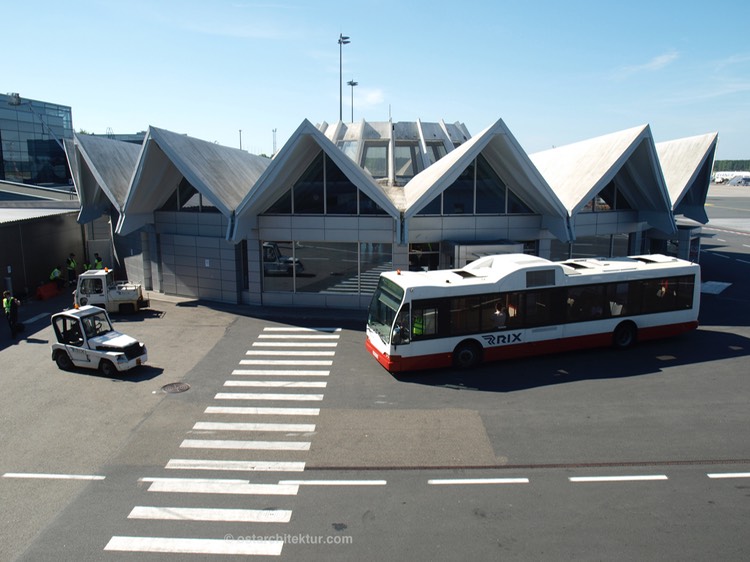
(624, 335)
(467, 354)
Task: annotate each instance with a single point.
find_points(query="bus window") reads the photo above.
(401, 328)
(424, 322)
(617, 299)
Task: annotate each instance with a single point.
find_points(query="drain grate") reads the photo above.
(175, 387)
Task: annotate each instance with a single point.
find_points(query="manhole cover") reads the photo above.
(175, 387)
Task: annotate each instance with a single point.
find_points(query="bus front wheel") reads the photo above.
(467, 354)
(624, 335)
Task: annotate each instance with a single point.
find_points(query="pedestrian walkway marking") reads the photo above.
(194, 546)
(298, 329)
(445, 481)
(53, 476)
(211, 514)
(222, 426)
(633, 478)
(218, 486)
(333, 482)
(277, 384)
(244, 466)
(269, 396)
(714, 287)
(288, 363)
(281, 372)
(729, 475)
(245, 445)
(253, 411)
(289, 353)
(300, 336)
(294, 344)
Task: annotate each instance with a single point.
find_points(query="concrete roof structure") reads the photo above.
(25, 210)
(102, 169)
(220, 174)
(578, 172)
(687, 164)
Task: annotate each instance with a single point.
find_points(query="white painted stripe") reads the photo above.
(289, 362)
(35, 318)
(221, 426)
(278, 384)
(333, 482)
(210, 514)
(194, 546)
(298, 329)
(443, 481)
(633, 478)
(44, 476)
(245, 466)
(743, 261)
(293, 344)
(253, 411)
(729, 475)
(245, 445)
(289, 353)
(299, 337)
(281, 372)
(217, 486)
(719, 255)
(269, 396)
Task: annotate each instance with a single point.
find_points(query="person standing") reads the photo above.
(56, 277)
(71, 265)
(98, 264)
(10, 307)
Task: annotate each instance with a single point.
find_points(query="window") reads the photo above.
(375, 160)
(308, 191)
(408, 160)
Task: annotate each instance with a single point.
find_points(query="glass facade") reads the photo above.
(343, 268)
(31, 135)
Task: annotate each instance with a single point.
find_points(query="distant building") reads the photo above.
(31, 141)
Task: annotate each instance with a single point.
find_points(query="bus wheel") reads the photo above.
(624, 335)
(467, 354)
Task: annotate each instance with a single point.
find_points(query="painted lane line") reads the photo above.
(294, 344)
(37, 317)
(729, 475)
(288, 353)
(245, 445)
(333, 482)
(281, 372)
(269, 396)
(216, 486)
(743, 261)
(444, 481)
(633, 478)
(299, 337)
(290, 329)
(253, 411)
(722, 256)
(277, 384)
(244, 466)
(210, 514)
(289, 362)
(44, 476)
(222, 426)
(194, 546)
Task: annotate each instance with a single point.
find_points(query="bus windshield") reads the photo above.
(383, 307)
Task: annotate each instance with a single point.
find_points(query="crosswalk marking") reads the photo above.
(289, 353)
(241, 445)
(211, 514)
(300, 336)
(263, 396)
(277, 384)
(281, 372)
(217, 486)
(194, 546)
(294, 344)
(254, 411)
(244, 466)
(298, 329)
(222, 426)
(286, 362)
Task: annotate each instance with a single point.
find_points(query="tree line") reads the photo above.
(731, 165)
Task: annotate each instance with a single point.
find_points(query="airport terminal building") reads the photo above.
(340, 203)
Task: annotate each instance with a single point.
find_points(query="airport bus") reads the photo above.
(515, 305)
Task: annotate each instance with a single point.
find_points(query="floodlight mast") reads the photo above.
(343, 40)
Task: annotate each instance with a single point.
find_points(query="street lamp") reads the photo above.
(352, 83)
(343, 40)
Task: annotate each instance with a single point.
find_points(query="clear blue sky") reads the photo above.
(555, 71)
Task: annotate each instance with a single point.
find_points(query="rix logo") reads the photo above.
(500, 339)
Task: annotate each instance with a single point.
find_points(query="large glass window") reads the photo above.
(491, 190)
(375, 159)
(341, 193)
(408, 160)
(458, 199)
(308, 191)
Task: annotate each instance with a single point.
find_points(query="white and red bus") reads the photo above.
(516, 305)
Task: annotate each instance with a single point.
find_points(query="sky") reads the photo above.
(235, 71)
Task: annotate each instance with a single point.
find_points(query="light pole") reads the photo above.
(352, 83)
(343, 40)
